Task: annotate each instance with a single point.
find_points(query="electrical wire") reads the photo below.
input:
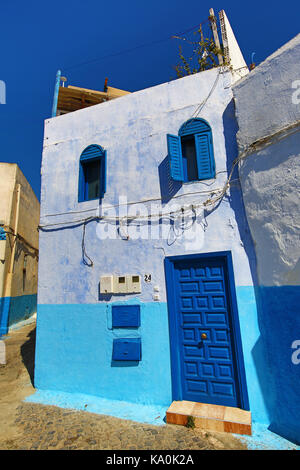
(85, 258)
(22, 239)
(126, 51)
(207, 191)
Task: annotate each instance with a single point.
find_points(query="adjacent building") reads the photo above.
(268, 113)
(19, 219)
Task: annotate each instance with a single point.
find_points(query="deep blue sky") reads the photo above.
(38, 37)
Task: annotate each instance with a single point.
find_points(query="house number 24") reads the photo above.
(147, 278)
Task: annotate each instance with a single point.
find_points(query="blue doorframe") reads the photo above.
(226, 258)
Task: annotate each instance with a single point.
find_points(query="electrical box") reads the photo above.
(127, 284)
(120, 285)
(134, 283)
(127, 349)
(126, 316)
(106, 285)
(123, 284)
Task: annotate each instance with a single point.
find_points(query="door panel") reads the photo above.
(207, 365)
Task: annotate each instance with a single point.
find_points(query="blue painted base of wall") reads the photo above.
(16, 309)
(279, 323)
(272, 377)
(74, 353)
(4, 313)
(264, 439)
(261, 439)
(150, 414)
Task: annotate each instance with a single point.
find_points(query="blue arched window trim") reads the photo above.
(198, 132)
(92, 173)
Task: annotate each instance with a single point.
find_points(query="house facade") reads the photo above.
(147, 268)
(268, 114)
(19, 219)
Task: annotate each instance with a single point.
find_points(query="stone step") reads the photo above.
(210, 417)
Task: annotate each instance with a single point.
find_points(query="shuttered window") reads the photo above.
(175, 156)
(92, 173)
(191, 152)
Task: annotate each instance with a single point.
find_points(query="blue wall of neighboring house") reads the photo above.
(268, 114)
(280, 326)
(14, 309)
(74, 333)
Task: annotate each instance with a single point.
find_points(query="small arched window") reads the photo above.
(191, 153)
(92, 173)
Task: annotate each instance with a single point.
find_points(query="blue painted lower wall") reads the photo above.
(272, 377)
(15, 309)
(279, 324)
(74, 354)
(4, 313)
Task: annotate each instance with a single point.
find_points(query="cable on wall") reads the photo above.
(85, 258)
(22, 239)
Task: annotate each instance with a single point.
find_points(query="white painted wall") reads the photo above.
(133, 130)
(265, 105)
(232, 49)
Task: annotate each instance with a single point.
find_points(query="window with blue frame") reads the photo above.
(92, 173)
(191, 154)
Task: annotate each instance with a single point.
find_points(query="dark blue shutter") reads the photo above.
(194, 126)
(103, 174)
(81, 184)
(91, 154)
(175, 157)
(205, 156)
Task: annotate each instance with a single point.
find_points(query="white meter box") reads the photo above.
(107, 284)
(123, 284)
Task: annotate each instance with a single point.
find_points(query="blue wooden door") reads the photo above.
(202, 341)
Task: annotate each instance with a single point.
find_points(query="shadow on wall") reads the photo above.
(168, 187)
(278, 318)
(235, 199)
(279, 325)
(282, 307)
(28, 354)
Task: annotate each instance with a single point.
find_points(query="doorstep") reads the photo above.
(210, 417)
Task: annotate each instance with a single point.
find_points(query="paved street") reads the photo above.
(31, 426)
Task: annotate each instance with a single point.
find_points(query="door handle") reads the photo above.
(203, 336)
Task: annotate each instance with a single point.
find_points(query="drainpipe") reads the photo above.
(7, 281)
(56, 91)
(16, 224)
(3, 301)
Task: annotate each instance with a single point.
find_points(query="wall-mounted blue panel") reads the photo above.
(124, 316)
(127, 349)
